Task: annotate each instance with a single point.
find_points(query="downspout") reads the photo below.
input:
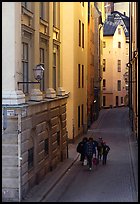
(130, 68)
(19, 153)
(100, 26)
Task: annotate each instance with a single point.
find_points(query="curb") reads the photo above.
(59, 178)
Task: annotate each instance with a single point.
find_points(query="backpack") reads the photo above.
(79, 148)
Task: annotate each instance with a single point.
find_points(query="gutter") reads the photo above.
(19, 153)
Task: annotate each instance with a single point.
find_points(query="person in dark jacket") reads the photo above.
(90, 151)
(106, 149)
(100, 147)
(81, 148)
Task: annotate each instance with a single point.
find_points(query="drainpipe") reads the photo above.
(99, 96)
(130, 68)
(19, 153)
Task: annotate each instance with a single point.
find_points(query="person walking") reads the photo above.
(81, 148)
(90, 151)
(106, 149)
(100, 148)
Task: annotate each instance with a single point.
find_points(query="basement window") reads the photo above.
(30, 158)
(46, 146)
(58, 138)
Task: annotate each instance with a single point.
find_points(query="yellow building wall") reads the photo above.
(67, 16)
(112, 54)
(72, 55)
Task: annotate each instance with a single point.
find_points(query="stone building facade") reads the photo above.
(34, 131)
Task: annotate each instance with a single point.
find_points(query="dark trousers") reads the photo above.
(104, 158)
(89, 159)
(82, 157)
(99, 153)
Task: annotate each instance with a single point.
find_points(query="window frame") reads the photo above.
(46, 146)
(54, 70)
(79, 119)
(79, 76)
(104, 65)
(121, 99)
(58, 138)
(119, 85)
(104, 44)
(119, 31)
(104, 100)
(119, 65)
(119, 44)
(104, 83)
(42, 13)
(25, 61)
(82, 76)
(82, 114)
(83, 36)
(42, 62)
(79, 33)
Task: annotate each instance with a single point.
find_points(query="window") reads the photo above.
(104, 83)
(78, 116)
(58, 138)
(30, 158)
(79, 33)
(104, 65)
(117, 100)
(82, 35)
(46, 146)
(24, 4)
(119, 65)
(127, 51)
(78, 75)
(82, 76)
(121, 99)
(104, 44)
(104, 100)
(119, 85)
(119, 44)
(54, 71)
(42, 10)
(82, 114)
(42, 61)
(25, 65)
(54, 13)
(119, 31)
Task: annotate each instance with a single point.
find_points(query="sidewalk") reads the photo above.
(38, 193)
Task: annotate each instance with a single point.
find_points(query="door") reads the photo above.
(117, 100)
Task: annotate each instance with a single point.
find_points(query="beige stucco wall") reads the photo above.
(11, 55)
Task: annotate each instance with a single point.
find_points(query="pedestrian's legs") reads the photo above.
(104, 158)
(82, 158)
(89, 158)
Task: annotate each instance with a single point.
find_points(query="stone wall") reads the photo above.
(46, 120)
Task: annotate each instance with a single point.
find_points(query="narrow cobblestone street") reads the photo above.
(115, 182)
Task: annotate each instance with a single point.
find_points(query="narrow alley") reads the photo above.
(115, 182)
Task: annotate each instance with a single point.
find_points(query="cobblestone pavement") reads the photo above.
(117, 182)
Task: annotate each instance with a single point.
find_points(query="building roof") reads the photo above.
(109, 28)
(122, 20)
(116, 18)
